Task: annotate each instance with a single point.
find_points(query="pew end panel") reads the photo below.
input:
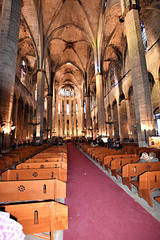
(40, 217)
(148, 182)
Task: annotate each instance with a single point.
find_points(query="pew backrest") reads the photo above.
(135, 169)
(27, 190)
(30, 174)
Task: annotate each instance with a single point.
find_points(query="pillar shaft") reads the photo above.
(88, 115)
(49, 115)
(61, 119)
(100, 104)
(40, 105)
(142, 98)
(9, 32)
(74, 115)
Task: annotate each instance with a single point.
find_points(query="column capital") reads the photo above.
(129, 8)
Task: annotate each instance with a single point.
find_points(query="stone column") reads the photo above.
(61, 118)
(88, 116)
(57, 115)
(74, 115)
(142, 98)
(49, 115)
(54, 117)
(9, 32)
(65, 116)
(16, 115)
(100, 104)
(70, 116)
(40, 105)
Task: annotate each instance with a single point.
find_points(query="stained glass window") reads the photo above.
(23, 72)
(144, 37)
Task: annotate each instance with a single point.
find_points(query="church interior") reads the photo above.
(78, 71)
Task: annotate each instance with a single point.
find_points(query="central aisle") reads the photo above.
(99, 209)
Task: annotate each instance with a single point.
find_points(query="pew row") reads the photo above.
(118, 163)
(109, 158)
(28, 165)
(130, 172)
(157, 199)
(49, 156)
(148, 182)
(28, 190)
(30, 174)
(39, 218)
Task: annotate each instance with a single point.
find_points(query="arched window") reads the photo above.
(36, 92)
(76, 109)
(23, 72)
(45, 104)
(151, 81)
(59, 108)
(112, 77)
(84, 107)
(144, 37)
(67, 108)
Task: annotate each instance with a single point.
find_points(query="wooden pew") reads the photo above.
(104, 154)
(30, 174)
(28, 190)
(130, 172)
(2, 167)
(118, 163)
(28, 165)
(109, 158)
(39, 218)
(157, 199)
(49, 158)
(48, 155)
(148, 182)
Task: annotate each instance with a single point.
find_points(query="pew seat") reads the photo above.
(40, 218)
(110, 157)
(118, 163)
(130, 172)
(157, 199)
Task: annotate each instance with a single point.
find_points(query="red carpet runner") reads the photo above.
(99, 209)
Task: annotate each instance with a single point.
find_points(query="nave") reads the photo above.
(99, 209)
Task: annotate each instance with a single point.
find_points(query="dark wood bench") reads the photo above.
(28, 190)
(148, 182)
(50, 155)
(118, 163)
(30, 174)
(39, 218)
(130, 172)
(157, 199)
(110, 157)
(41, 160)
(28, 165)
(52, 158)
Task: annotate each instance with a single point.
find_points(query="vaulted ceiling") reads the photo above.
(78, 37)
